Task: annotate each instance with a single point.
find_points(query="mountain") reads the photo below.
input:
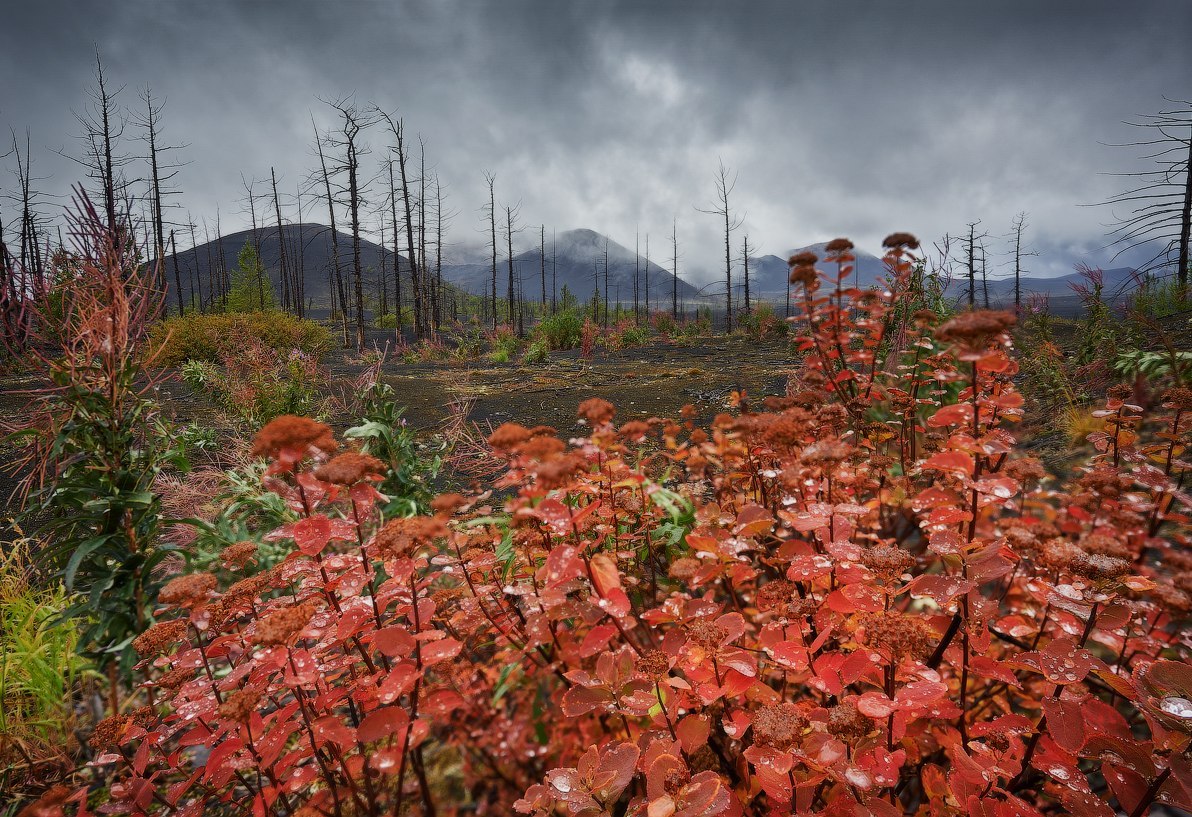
(768, 274)
(308, 246)
(577, 254)
(1116, 282)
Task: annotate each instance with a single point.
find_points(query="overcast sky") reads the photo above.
(839, 118)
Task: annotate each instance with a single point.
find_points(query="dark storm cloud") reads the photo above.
(839, 117)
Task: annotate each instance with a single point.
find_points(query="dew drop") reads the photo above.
(1180, 707)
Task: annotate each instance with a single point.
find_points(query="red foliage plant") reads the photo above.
(852, 599)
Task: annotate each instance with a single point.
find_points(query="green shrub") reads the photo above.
(389, 319)
(41, 670)
(561, 330)
(260, 383)
(762, 322)
(242, 507)
(537, 352)
(505, 345)
(1159, 298)
(215, 337)
(410, 469)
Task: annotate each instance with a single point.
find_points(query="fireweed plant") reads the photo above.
(852, 599)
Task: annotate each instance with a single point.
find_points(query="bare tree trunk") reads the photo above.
(425, 271)
(674, 270)
(637, 264)
(542, 259)
(438, 309)
(646, 277)
(606, 283)
(177, 274)
(287, 287)
(300, 254)
(415, 263)
(972, 269)
(396, 256)
(194, 255)
(724, 188)
(745, 253)
(382, 289)
(351, 129)
(1185, 224)
(159, 241)
(509, 251)
(492, 220)
(1019, 224)
(984, 277)
(338, 280)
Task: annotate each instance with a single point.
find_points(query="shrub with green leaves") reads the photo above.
(561, 330)
(410, 468)
(537, 352)
(41, 670)
(93, 441)
(217, 337)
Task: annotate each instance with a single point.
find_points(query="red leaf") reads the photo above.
(382, 723)
(956, 462)
(1065, 723)
(312, 534)
(395, 642)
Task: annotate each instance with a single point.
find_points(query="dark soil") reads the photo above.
(655, 380)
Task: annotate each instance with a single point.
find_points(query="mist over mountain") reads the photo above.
(576, 258)
(309, 248)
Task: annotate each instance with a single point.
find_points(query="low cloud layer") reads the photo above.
(838, 118)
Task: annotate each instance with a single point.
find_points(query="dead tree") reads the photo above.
(196, 278)
(745, 275)
(1161, 201)
(492, 222)
(984, 276)
(725, 182)
(606, 282)
(177, 273)
(300, 253)
(1019, 227)
(428, 290)
(647, 276)
(396, 255)
(251, 199)
(970, 250)
(338, 282)
(223, 262)
(637, 272)
(674, 270)
(29, 258)
(349, 139)
(542, 262)
(511, 214)
(398, 149)
(554, 273)
(161, 173)
(382, 276)
(287, 285)
(440, 218)
(103, 124)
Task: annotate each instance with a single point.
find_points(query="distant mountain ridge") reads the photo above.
(309, 246)
(577, 262)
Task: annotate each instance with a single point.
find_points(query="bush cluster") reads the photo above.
(218, 337)
(854, 598)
